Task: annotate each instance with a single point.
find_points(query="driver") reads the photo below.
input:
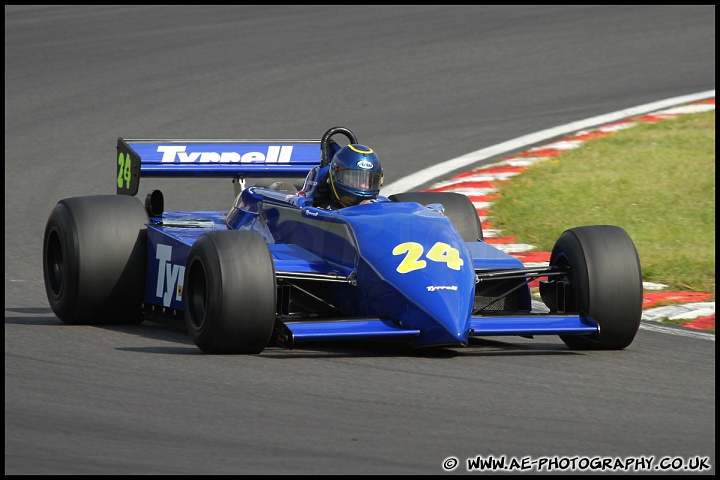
(353, 177)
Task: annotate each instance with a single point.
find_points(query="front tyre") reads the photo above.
(229, 294)
(94, 259)
(605, 283)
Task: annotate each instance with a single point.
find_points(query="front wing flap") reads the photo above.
(528, 325)
(287, 334)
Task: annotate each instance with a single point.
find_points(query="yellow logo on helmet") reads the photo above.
(354, 149)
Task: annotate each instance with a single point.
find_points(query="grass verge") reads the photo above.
(655, 180)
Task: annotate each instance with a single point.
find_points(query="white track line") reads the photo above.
(683, 332)
(427, 175)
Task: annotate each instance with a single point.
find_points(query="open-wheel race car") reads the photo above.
(277, 270)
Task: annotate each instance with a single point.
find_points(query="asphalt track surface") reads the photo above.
(421, 85)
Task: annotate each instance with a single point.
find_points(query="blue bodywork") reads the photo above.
(387, 269)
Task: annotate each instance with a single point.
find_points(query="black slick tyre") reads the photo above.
(94, 259)
(605, 280)
(229, 294)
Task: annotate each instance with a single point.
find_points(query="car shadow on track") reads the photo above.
(169, 330)
(30, 316)
(476, 347)
(174, 332)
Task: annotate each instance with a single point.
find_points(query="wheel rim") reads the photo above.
(55, 264)
(197, 295)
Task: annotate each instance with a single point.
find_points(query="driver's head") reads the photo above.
(355, 174)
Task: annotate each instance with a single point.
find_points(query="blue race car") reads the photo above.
(277, 270)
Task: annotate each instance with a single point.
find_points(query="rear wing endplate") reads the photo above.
(237, 159)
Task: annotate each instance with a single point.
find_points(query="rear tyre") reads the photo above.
(229, 295)
(605, 283)
(94, 259)
(458, 208)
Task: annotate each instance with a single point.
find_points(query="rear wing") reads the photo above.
(237, 159)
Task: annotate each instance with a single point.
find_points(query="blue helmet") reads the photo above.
(355, 174)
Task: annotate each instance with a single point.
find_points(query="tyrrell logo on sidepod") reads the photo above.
(169, 276)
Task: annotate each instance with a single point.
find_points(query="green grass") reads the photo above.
(655, 180)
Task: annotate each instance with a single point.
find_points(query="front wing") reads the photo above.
(288, 334)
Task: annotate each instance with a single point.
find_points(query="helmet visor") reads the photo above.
(359, 179)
